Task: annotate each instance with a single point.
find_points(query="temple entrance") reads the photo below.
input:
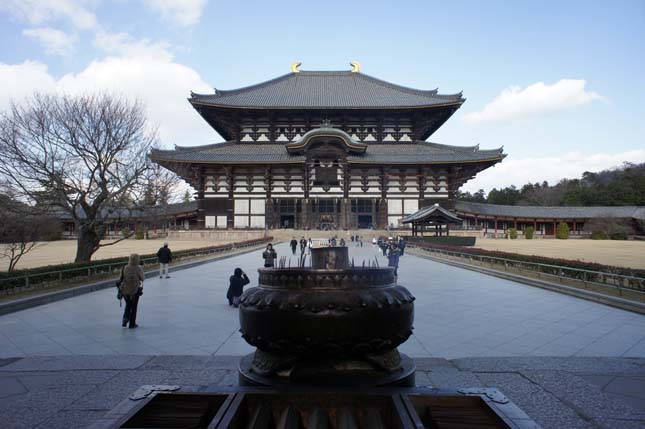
(327, 223)
(288, 221)
(365, 221)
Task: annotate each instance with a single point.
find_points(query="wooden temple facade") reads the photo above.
(323, 150)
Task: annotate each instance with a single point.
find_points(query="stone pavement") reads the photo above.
(565, 361)
(459, 313)
(77, 391)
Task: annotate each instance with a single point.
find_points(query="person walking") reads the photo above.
(402, 246)
(393, 256)
(310, 244)
(269, 256)
(303, 245)
(131, 288)
(238, 280)
(164, 255)
(294, 245)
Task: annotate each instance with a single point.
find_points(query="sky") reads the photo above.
(560, 85)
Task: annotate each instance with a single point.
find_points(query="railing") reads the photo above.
(97, 271)
(558, 273)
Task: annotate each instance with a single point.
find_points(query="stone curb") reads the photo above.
(46, 298)
(612, 301)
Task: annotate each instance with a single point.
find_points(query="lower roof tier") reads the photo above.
(417, 152)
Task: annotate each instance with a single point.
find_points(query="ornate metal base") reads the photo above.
(338, 373)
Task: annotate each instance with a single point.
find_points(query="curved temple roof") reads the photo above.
(544, 212)
(396, 153)
(325, 90)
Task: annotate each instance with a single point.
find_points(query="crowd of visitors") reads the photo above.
(130, 283)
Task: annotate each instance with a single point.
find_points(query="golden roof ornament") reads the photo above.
(294, 66)
(356, 66)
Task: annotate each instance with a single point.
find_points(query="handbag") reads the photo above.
(139, 291)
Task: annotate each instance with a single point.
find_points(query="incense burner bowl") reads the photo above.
(328, 310)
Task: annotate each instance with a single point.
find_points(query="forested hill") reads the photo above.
(622, 186)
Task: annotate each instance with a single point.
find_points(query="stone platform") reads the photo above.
(78, 391)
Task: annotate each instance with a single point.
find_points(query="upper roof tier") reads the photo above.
(326, 90)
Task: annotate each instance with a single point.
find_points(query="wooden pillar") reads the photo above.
(201, 204)
(515, 224)
(534, 226)
(555, 228)
(447, 229)
(574, 225)
(495, 227)
(231, 202)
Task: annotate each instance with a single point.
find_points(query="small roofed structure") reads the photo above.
(434, 215)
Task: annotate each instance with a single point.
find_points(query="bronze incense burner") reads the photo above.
(329, 321)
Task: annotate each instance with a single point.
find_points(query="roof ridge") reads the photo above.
(549, 207)
(222, 92)
(404, 88)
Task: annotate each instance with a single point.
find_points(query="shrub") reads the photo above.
(51, 273)
(139, 233)
(528, 233)
(125, 231)
(451, 240)
(562, 232)
(555, 262)
(618, 235)
(622, 227)
(599, 235)
(512, 233)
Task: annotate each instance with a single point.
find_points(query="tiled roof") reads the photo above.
(432, 212)
(115, 213)
(539, 212)
(326, 89)
(382, 153)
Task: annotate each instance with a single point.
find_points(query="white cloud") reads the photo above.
(180, 12)
(56, 42)
(123, 44)
(37, 12)
(25, 78)
(161, 83)
(515, 102)
(519, 171)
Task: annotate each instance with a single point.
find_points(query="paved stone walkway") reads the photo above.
(459, 313)
(77, 391)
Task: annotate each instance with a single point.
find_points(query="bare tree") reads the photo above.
(83, 152)
(160, 186)
(20, 230)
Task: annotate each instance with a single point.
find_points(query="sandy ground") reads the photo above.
(58, 252)
(609, 252)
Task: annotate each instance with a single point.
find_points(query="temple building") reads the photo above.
(323, 150)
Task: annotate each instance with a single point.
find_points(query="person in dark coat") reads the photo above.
(238, 280)
(269, 256)
(164, 255)
(294, 245)
(393, 256)
(303, 245)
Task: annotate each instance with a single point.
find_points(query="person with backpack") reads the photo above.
(164, 255)
(238, 280)
(131, 288)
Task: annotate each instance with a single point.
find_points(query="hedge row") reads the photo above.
(52, 273)
(452, 241)
(567, 263)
